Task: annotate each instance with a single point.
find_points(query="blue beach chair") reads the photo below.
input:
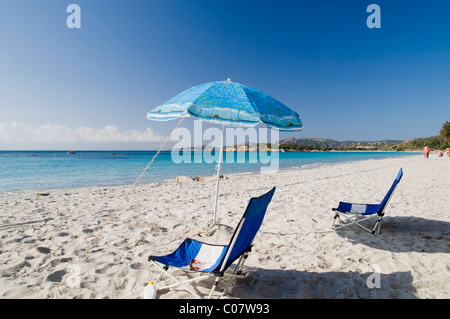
(214, 260)
(356, 213)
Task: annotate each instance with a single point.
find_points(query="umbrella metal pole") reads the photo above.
(218, 173)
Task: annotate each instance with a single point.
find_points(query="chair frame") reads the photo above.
(349, 218)
(237, 273)
(220, 274)
(356, 219)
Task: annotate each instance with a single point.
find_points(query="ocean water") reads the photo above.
(41, 171)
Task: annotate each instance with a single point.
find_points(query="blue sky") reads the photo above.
(90, 88)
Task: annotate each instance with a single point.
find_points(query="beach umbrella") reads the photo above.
(228, 103)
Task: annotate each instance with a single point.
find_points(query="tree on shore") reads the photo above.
(445, 132)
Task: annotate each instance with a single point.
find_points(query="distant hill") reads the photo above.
(311, 141)
(315, 143)
(433, 142)
(326, 144)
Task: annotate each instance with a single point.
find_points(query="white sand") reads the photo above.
(296, 254)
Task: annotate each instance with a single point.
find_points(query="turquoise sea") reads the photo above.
(40, 171)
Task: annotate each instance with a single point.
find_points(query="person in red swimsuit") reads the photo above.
(426, 152)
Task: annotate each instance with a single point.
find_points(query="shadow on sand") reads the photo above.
(294, 284)
(404, 234)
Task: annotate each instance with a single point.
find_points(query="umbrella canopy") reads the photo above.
(228, 103)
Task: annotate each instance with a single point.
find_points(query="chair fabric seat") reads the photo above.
(194, 255)
(363, 209)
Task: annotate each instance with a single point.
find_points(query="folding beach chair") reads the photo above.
(214, 260)
(356, 213)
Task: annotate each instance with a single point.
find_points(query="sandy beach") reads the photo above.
(296, 254)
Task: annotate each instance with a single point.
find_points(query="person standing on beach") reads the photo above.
(448, 151)
(426, 152)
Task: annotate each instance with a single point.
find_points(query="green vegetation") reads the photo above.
(439, 142)
(445, 132)
(303, 147)
(434, 142)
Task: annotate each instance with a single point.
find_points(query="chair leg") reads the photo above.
(214, 286)
(178, 282)
(237, 271)
(344, 221)
(377, 227)
(334, 219)
(161, 274)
